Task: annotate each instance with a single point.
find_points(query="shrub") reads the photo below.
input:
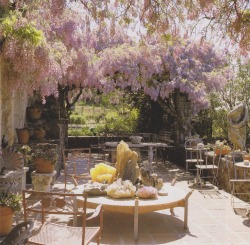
(77, 119)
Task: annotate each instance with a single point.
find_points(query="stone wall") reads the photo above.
(12, 109)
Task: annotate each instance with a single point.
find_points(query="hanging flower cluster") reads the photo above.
(52, 44)
(159, 69)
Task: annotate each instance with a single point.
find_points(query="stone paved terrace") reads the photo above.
(212, 219)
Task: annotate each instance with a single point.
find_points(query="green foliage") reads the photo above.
(77, 119)
(84, 131)
(11, 200)
(46, 151)
(236, 90)
(202, 125)
(123, 123)
(26, 32)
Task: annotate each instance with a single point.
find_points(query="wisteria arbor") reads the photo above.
(83, 44)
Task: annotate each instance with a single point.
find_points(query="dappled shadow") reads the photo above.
(169, 171)
(246, 222)
(119, 227)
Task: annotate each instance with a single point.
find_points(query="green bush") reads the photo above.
(85, 131)
(77, 119)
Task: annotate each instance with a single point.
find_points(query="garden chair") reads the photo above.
(193, 156)
(54, 228)
(238, 175)
(207, 171)
(75, 162)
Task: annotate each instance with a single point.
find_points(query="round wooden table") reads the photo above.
(176, 197)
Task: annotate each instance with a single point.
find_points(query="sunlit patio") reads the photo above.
(211, 218)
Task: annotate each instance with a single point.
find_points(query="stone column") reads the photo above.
(7, 114)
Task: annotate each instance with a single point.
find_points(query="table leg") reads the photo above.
(150, 154)
(136, 219)
(186, 210)
(75, 208)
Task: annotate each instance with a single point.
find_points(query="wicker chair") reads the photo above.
(53, 206)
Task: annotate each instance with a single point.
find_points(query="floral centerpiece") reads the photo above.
(221, 147)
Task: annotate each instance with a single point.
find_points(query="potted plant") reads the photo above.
(246, 155)
(34, 111)
(39, 133)
(45, 158)
(9, 204)
(23, 135)
(220, 147)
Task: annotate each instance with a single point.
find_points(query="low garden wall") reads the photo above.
(87, 141)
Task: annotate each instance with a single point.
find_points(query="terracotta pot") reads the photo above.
(6, 220)
(43, 166)
(39, 134)
(223, 152)
(22, 136)
(34, 113)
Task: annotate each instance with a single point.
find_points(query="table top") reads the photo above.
(174, 198)
(242, 165)
(139, 145)
(197, 149)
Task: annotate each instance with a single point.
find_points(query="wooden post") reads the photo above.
(136, 219)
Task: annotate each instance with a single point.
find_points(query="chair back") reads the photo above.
(49, 204)
(191, 143)
(75, 162)
(233, 158)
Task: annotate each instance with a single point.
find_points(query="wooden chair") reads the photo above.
(53, 206)
(75, 162)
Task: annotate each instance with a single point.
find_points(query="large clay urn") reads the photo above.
(43, 166)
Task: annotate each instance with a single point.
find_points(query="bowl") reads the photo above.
(136, 139)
